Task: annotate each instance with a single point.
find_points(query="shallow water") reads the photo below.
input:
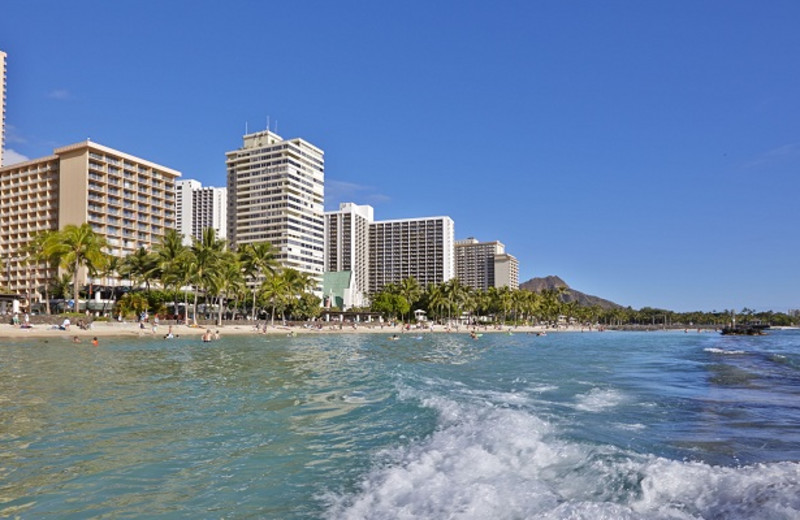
(603, 425)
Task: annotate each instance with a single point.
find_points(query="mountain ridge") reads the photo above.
(552, 282)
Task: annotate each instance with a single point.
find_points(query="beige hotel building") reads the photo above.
(2, 105)
(481, 265)
(128, 200)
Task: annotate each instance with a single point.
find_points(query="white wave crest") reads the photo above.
(715, 350)
(500, 463)
(599, 399)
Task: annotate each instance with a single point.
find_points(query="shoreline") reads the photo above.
(132, 329)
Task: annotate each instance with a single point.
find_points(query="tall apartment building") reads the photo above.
(347, 248)
(128, 200)
(418, 247)
(275, 194)
(481, 265)
(506, 271)
(2, 105)
(199, 208)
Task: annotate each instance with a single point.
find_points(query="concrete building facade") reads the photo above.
(127, 200)
(347, 248)
(198, 208)
(275, 194)
(481, 265)
(418, 247)
(2, 105)
(506, 271)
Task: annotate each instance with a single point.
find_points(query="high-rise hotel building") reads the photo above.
(481, 265)
(199, 208)
(2, 105)
(418, 247)
(127, 200)
(275, 194)
(347, 246)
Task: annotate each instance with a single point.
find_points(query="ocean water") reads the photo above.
(660, 425)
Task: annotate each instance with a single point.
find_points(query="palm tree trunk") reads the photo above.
(254, 304)
(194, 310)
(75, 289)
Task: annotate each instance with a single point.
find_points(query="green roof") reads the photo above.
(334, 283)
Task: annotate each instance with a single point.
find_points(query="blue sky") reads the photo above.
(645, 152)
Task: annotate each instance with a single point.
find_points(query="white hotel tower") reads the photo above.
(199, 208)
(275, 194)
(418, 247)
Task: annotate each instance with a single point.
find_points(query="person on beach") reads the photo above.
(207, 336)
(95, 342)
(65, 324)
(76, 339)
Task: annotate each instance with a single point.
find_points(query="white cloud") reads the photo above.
(786, 152)
(12, 136)
(12, 157)
(59, 93)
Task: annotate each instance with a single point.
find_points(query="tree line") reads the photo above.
(216, 276)
(250, 282)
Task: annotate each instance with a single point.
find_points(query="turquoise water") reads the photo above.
(603, 425)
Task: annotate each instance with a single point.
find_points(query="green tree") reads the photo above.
(171, 256)
(226, 280)
(275, 290)
(78, 247)
(206, 256)
(410, 290)
(141, 267)
(42, 251)
(258, 261)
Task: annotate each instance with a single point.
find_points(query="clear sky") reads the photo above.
(645, 152)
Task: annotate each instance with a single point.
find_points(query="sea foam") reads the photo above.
(495, 462)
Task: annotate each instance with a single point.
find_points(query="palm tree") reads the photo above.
(275, 289)
(110, 270)
(77, 247)
(437, 299)
(170, 254)
(141, 267)
(206, 255)
(41, 251)
(456, 296)
(410, 290)
(226, 279)
(258, 261)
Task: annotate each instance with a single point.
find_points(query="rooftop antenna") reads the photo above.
(245, 128)
(276, 126)
(267, 123)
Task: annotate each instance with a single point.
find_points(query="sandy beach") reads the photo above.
(124, 329)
